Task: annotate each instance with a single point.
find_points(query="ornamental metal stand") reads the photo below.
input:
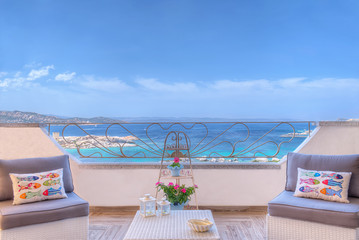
(177, 144)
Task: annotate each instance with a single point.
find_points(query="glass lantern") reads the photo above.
(148, 206)
(164, 207)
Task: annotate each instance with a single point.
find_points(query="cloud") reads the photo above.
(17, 80)
(332, 83)
(235, 85)
(296, 97)
(42, 72)
(3, 74)
(155, 85)
(14, 82)
(33, 65)
(101, 84)
(4, 83)
(65, 76)
(286, 84)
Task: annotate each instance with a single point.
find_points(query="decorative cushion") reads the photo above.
(31, 165)
(34, 187)
(335, 163)
(326, 185)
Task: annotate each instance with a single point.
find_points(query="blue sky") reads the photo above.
(204, 58)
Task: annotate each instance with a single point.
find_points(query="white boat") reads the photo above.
(297, 134)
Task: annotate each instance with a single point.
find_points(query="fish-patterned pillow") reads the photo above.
(33, 187)
(326, 185)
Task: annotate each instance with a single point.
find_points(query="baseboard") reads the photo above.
(235, 208)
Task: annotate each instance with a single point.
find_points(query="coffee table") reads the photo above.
(171, 227)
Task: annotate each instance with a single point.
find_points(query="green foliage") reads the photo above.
(175, 193)
(175, 164)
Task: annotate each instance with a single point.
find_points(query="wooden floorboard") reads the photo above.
(231, 225)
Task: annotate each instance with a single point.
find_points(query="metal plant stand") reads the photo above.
(177, 144)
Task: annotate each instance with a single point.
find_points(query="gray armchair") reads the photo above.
(292, 217)
(44, 219)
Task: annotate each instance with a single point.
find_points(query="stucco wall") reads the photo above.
(25, 142)
(217, 187)
(334, 138)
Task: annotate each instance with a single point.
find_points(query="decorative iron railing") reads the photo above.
(207, 140)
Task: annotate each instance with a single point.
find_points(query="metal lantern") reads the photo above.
(148, 206)
(164, 207)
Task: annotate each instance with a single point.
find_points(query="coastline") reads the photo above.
(91, 142)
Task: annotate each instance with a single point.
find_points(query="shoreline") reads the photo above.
(91, 142)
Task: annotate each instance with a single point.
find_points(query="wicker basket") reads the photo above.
(200, 225)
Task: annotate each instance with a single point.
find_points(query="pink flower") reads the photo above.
(183, 190)
(170, 184)
(176, 160)
(158, 183)
(177, 186)
(196, 186)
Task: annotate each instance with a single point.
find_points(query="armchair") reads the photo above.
(292, 217)
(65, 218)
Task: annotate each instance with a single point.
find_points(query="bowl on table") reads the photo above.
(200, 225)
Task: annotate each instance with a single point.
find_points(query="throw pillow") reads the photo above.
(33, 187)
(326, 185)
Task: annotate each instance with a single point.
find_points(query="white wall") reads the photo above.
(217, 187)
(25, 142)
(334, 138)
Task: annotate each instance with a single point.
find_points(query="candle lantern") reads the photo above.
(148, 206)
(164, 207)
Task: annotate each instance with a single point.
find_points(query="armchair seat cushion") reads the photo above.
(315, 210)
(42, 212)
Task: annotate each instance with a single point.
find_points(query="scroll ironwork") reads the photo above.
(122, 140)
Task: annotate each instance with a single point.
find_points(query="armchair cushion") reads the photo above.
(32, 165)
(335, 163)
(42, 212)
(315, 210)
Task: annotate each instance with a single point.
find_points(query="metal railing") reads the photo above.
(227, 140)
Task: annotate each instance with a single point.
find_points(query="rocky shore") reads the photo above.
(224, 160)
(229, 160)
(96, 141)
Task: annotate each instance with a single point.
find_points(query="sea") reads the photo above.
(214, 142)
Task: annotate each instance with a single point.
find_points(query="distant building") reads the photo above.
(56, 135)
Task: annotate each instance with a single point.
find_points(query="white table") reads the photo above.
(171, 227)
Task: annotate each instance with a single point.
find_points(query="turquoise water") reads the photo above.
(216, 139)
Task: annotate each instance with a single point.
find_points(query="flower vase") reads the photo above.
(177, 206)
(175, 170)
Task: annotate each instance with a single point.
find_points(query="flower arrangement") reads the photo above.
(175, 193)
(175, 167)
(175, 163)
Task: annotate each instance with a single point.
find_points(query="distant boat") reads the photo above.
(297, 134)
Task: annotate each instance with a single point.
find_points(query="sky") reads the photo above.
(238, 59)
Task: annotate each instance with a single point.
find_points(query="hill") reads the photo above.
(31, 117)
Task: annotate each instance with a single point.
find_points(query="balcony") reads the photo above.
(233, 190)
